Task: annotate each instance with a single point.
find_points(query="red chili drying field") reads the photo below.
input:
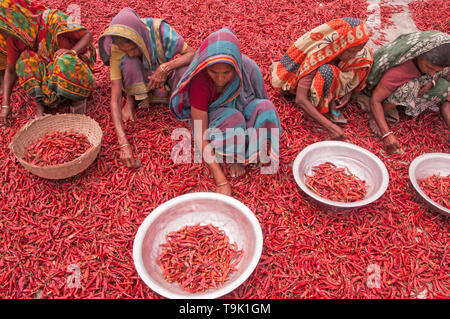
(394, 248)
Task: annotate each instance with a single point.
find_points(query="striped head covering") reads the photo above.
(317, 47)
(157, 41)
(221, 46)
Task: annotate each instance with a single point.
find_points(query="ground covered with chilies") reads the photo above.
(394, 248)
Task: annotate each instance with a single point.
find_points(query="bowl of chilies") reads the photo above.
(57, 146)
(430, 176)
(340, 175)
(198, 245)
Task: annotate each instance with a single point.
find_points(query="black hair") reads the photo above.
(439, 56)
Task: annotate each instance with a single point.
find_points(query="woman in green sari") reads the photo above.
(412, 72)
(51, 58)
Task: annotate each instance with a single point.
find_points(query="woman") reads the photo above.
(322, 69)
(51, 58)
(140, 54)
(223, 94)
(413, 72)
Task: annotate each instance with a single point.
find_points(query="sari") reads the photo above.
(242, 120)
(3, 53)
(49, 80)
(404, 48)
(157, 41)
(316, 50)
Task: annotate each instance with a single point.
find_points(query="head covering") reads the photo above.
(405, 47)
(157, 41)
(221, 46)
(21, 19)
(317, 47)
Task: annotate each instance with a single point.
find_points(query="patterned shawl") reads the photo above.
(221, 46)
(21, 19)
(318, 47)
(403, 48)
(157, 41)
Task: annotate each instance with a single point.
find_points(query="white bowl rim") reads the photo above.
(412, 169)
(140, 235)
(368, 200)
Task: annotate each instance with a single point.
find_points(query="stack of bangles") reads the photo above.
(124, 145)
(386, 135)
(5, 107)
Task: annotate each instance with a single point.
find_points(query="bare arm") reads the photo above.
(82, 44)
(126, 151)
(219, 177)
(301, 99)
(9, 81)
(159, 77)
(376, 106)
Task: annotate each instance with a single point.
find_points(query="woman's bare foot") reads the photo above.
(128, 111)
(40, 109)
(79, 107)
(237, 169)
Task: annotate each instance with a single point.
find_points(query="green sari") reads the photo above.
(404, 48)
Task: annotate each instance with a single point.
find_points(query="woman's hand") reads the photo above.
(61, 52)
(223, 188)
(5, 115)
(392, 144)
(127, 156)
(343, 100)
(425, 89)
(157, 79)
(336, 133)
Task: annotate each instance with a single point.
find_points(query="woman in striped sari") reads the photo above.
(141, 55)
(51, 57)
(223, 94)
(322, 69)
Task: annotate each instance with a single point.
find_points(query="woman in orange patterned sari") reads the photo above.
(322, 69)
(51, 58)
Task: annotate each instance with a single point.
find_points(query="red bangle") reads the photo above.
(386, 135)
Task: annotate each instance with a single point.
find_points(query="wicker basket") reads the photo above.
(38, 127)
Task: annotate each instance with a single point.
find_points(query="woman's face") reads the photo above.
(130, 48)
(221, 74)
(427, 67)
(350, 53)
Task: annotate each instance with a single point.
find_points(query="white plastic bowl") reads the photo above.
(224, 212)
(427, 165)
(358, 160)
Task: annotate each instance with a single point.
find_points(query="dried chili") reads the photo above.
(336, 183)
(198, 257)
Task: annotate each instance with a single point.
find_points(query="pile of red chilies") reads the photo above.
(336, 183)
(437, 188)
(198, 257)
(57, 148)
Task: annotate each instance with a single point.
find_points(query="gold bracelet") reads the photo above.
(74, 52)
(123, 145)
(5, 106)
(222, 184)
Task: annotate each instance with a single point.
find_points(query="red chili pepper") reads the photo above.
(437, 188)
(56, 148)
(336, 183)
(198, 257)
